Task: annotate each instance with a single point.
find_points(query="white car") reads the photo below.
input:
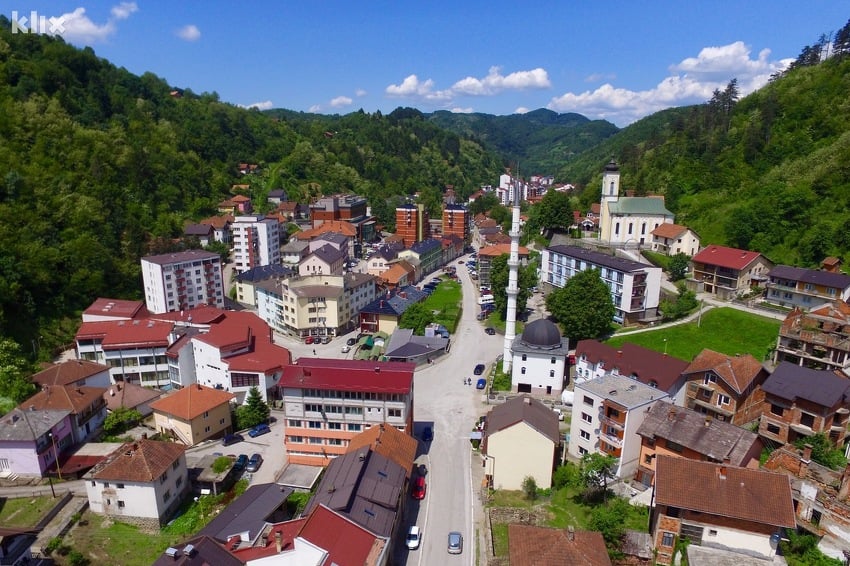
(414, 537)
(346, 349)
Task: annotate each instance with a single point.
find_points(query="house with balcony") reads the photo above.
(724, 387)
(246, 282)
(384, 313)
(73, 373)
(329, 401)
(182, 280)
(789, 286)
(728, 272)
(671, 239)
(800, 402)
(143, 483)
(740, 511)
(86, 405)
(817, 339)
(33, 441)
(635, 287)
(193, 414)
(668, 430)
(256, 241)
(324, 260)
(607, 413)
(520, 440)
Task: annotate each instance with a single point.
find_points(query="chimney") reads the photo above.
(619, 353)
(571, 533)
(144, 436)
(805, 460)
(707, 421)
(844, 486)
(278, 541)
(721, 471)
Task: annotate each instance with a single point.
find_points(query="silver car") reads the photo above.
(455, 542)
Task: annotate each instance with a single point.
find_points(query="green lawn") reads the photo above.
(725, 330)
(25, 511)
(446, 301)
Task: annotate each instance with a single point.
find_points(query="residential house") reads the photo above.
(487, 254)
(292, 210)
(144, 483)
(520, 439)
(221, 227)
(635, 287)
(819, 339)
(399, 275)
(73, 373)
(539, 359)
(383, 258)
(530, 545)
(182, 280)
(789, 286)
(32, 441)
(326, 260)
(728, 272)
(411, 223)
(453, 248)
(204, 233)
(339, 226)
(404, 346)
(719, 506)
(193, 414)
(607, 413)
(256, 241)
(130, 396)
(671, 239)
(294, 251)
(384, 313)
(669, 430)
(328, 401)
(243, 521)
(425, 255)
(277, 196)
(628, 219)
(198, 550)
(831, 264)
(656, 369)
(86, 405)
(238, 204)
(246, 282)
(389, 442)
(725, 387)
(337, 240)
(800, 402)
(16, 544)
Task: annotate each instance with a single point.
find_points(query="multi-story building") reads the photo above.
(85, 404)
(384, 313)
(635, 287)
(805, 288)
(487, 254)
(671, 239)
(457, 221)
(336, 240)
(33, 440)
(326, 260)
(819, 339)
(193, 414)
(256, 242)
(182, 280)
(315, 305)
(73, 373)
(246, 292)
(426, 256)
(411, 223)
(339, 207)
(328, 401)
(724, 387)
(728, 272)
(800, 402)
(607, 413)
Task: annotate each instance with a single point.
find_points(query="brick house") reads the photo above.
(800, 402)
(724, 387)
(534, 546)
(817, 339)
(728, 272)
(720, 506)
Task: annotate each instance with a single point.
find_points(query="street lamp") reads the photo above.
(55, 454)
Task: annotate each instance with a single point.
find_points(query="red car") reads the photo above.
(417, 490)
(308, 340)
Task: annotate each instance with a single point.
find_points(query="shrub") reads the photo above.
(76, 558)
(529, 488)
(221, 464)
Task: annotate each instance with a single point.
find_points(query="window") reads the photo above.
(334, 426)
(585, 435)
(206, 414)
(296, 439)
(206, 429)
(674, 447)
(314, 440)
(524, 357)
(551, 373)
(293, 422)
(93, 483)
(522, 371)
(807, 420)
(586, 418)
(588, 401)
(394, 413)
(582, 450)
(776, 409)
(175, 464)
(722, 399)
(667, 539)
(352, 427)
(163, 477)
(709, 378)
(613, 413)
(772, 429)
(552, 361)
(647, 459)
(120, 504)
(179, 481)
(334, 442)
(105, 485)
(119, 485)
(315, 424)
(166, 496)
(221, 421)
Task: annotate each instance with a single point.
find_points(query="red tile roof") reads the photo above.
(68, 372)
(730, 258)
(69, 398)
(669, 230)
(116, 308)
(738, 372)
(349, 375)
(121, 334)
(500, 249)
(288, 532)
(141, 461)
(129, 395)
(191, 401)
(218, 222)
(345, 541)
(542, 546)
(723, 490)
(631, 360)
(389, 442)
(341, 226)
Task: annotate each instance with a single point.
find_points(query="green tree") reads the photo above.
(823, 451)
(255, 411)
(526, 279)
(610, 520)
(678, 266)
(568, 475)
(596, 470)
(15, 372)
(684, 303)
(529, 487)
(120, 420)
(417, 316)
(583, 306)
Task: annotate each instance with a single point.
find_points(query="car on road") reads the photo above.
(460, 261)
(414, 537)
(481, 316)
(490, 330)
(436, 281)
(308, 340)
(231, 439)
(254, 463)
(417, 488)
(241, 462)
(326, 340)
(481, 383)
(259, 430)
(455, 542)
(351, 342)
(427, 434)
(479, 369)
(346, 349)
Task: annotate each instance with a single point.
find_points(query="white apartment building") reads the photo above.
(635, 287)
(182, 280)
(607, 412)
(315, 305)
(256, 242)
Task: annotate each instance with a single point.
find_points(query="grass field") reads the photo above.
(25, 511)
(445, 301)
(725, 330)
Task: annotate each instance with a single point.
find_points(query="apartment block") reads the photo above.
(456, 220)
(256, 242)
(182, 280)
(411, 223)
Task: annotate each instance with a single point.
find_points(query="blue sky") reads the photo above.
(616, 60)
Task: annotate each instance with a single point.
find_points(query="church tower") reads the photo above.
(610, 195)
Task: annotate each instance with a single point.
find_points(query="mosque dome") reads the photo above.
(541, 333)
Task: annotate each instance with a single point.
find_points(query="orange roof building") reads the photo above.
(193, 414)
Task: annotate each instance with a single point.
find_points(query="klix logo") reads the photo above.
(37, 24)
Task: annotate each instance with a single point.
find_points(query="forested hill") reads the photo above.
(99, 167)
(768, 172)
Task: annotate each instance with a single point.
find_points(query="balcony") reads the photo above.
(713, 408)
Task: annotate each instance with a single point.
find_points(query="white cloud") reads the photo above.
(340, 101)
(79, 29)
(693, 81)
(596, 77)
(123, 10)
(264, 105)
(462, 110)
(495, 82)
(521, 110)
(360, 92)
(189, 32)
(315, 109)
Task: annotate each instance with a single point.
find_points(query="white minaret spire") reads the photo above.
(512, 290)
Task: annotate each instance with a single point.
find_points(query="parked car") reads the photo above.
(455, 542)
(414, 537)
(490, 330)
(479, 369)
(308, 340)
(259, 430)
(254, 463)
(326, 340)
(241, 462)
(436, 280)
(346, 349)
(351, 342)
(460, 261)
(231, 439)
(417, 488)
(481, 383)
(481, 316)
(427, 434)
